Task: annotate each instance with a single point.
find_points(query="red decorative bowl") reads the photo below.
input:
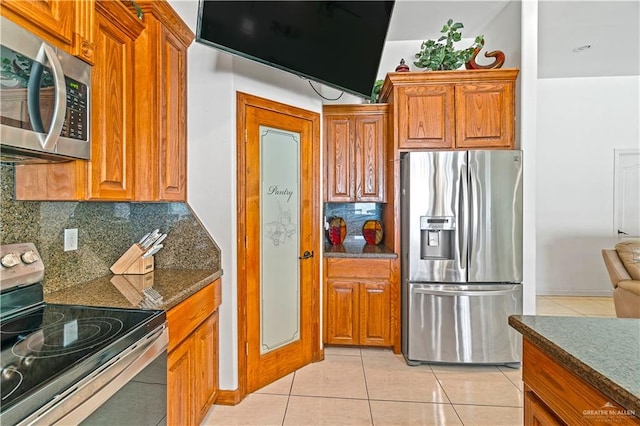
(372, 232)
(336, 230)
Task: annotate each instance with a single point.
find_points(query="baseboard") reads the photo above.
(229, 397)
(576, 293)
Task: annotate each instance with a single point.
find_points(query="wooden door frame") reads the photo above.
(244, 100)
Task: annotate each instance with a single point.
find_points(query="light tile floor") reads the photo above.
(354, 386)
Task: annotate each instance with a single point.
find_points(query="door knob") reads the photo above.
(306, 255)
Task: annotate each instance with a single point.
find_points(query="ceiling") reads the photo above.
(611, 29)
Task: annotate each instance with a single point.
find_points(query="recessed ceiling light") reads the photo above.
(582, 48)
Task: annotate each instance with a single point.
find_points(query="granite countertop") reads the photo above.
(604, 352)
(359, 249)
(126, 291)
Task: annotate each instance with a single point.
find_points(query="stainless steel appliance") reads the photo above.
(46, 98)
(67, 364)
(461, 256)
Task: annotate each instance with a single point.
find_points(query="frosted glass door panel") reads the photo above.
(280, 245)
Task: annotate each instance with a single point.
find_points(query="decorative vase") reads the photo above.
(402, 67)
(336, 230)
(372, 232)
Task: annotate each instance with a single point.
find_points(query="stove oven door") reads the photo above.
(129, 389)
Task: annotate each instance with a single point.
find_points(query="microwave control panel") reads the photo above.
(75, 120)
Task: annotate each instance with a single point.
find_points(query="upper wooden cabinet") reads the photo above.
(63, 23)
(161, 104)
(452, 109)
(138, 111)
(354, 143)
(109, 175)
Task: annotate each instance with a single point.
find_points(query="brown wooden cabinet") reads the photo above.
(192, 361)
(358, 302)
(63, 23)
(554, 395)
(354, 142)
(537, 413)
(138, 113)
(161, 102)
(110, 171)
(109, 175)
(452, 109)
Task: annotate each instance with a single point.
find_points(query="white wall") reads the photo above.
(526, 112)
(580, 123)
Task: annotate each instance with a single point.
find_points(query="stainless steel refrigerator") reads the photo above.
(461, 256)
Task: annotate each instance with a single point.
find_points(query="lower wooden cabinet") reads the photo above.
(555, 395)
(192, 362)
(357, 302)
(536, 412)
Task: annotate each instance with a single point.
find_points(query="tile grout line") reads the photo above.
(446, 395)
(286, 407)
(366, 387)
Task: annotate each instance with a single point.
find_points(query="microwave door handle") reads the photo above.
(46, 53)
(33, 97)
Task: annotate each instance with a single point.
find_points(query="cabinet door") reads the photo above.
(485, 115)
(161, 104)
(172, 165)
(180, 400)
(426, 116)
(112, 149)
(537, 413)
(342, 312)
(375, 313)
(52, 20)
(340, 179)
(206, 374)
(369, 153)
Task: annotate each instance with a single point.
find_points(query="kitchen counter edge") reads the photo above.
(589, 373)
(174, 285)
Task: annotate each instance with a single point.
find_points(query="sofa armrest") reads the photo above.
(632, 286)
(615, 268)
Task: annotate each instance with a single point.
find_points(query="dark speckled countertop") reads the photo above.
(359, 249)
(126, 291)
(604, 352)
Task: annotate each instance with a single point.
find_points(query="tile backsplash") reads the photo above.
(354, 215)
(105, 231)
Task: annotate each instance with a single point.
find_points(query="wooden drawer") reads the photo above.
(184, 318)
(355, 268)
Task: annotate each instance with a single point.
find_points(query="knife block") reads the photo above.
(131, 262)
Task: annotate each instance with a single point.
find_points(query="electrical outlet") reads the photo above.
(70, 239)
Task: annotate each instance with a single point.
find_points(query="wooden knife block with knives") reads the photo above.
(138, 259)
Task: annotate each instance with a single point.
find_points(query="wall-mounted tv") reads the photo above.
(337, 43)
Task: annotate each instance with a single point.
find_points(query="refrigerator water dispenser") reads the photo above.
(437, 235)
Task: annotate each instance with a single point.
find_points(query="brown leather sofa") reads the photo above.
(623, 265)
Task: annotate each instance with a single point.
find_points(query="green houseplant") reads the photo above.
(375, 92)
(435, 55)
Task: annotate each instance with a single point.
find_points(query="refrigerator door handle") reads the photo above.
(463, 292)
(474, 213)
(463, 231)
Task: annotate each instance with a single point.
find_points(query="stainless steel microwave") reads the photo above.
(45, 100)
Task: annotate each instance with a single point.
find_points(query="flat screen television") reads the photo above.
(337, 43)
